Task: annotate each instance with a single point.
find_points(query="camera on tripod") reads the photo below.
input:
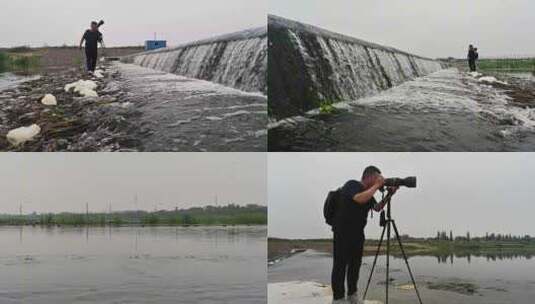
(388, 223)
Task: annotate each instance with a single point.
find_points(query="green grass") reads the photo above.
(3, 61)
(326, 107)
(20, 63)
(224, 215)
(507, 65)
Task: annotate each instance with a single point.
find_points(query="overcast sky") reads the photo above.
(438, 28)
(476, 192)
(55, 22)
(52, 182)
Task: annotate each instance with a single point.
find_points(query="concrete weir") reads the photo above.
(237, 60)
(309, 66)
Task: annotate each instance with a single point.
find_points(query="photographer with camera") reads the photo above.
(348, 208)
(92, 37)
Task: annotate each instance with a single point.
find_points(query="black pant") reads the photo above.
(472, 65)
(91, 58)
(347, 258)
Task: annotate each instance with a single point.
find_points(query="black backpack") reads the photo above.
(331, 205)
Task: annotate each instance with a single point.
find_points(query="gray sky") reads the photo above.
(438, 28)
(55, 22)
(494, 194)
(52, 182)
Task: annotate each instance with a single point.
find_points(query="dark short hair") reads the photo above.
(370, 170)
(94, 23)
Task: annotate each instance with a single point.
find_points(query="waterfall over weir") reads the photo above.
(309, 65)
(237, 60)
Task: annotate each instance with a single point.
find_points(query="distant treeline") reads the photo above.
(443, 236)
(210, 215)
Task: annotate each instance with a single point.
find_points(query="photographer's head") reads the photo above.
(94, 25)
(369, 176)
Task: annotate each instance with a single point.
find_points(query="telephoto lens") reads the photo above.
(409, 182)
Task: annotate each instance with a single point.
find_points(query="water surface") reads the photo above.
(497, 280)
(133, 265)
(10, 80)
(445, 111)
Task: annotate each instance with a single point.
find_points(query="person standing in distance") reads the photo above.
(92, 37)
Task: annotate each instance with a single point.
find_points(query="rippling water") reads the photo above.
(497, 280)
(9, 80)
(185, 114)
(133, 265)
(444, 111)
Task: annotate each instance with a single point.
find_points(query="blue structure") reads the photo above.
(155, 44)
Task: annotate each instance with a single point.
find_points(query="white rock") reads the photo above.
(49, 100)
(302, 292)
(85, 88)
(22, 134)
(475, 74)
(98, 74)
(491, 79)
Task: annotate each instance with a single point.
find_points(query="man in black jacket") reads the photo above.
(92, 37)
(472, 56)
(348, 227)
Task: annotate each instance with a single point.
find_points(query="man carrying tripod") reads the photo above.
(354, 201)
(92, 37)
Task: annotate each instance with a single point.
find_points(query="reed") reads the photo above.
(225, 215)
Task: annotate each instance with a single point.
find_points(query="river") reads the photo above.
(10, 80)
(445, 111)
(186, 114)
(133, 265)
(441, 280)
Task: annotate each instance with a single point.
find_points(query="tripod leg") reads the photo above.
(374, 263)
(406, 262)
(387, 258)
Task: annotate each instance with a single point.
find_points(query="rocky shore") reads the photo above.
(76, 123)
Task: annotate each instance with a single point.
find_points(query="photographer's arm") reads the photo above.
(365, 196)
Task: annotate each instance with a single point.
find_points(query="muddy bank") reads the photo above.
(76, 123)
(444, 251)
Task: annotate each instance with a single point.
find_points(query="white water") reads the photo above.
(238, 63)
(444, 91)
(360, 70)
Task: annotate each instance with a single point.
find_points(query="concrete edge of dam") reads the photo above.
(237, 59)
(257, 32)
(309, 65)
(281, 22)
